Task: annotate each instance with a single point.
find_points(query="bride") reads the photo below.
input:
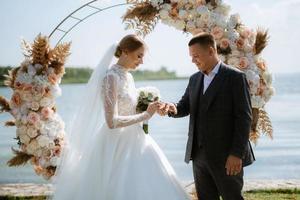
(108, 156)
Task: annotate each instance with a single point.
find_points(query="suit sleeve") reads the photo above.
(183, 106)
(242, 115)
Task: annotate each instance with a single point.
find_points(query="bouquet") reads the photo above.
(146, 95)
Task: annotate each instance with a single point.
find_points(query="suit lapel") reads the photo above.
(214, 86)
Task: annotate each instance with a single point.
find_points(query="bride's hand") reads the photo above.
(153, 107)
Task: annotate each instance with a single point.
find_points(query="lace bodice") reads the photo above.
(120, 98)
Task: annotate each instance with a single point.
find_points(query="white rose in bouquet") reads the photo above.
(146, 95)
(43, 141)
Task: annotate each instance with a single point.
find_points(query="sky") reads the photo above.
(166, 45)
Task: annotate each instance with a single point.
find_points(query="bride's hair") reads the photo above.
(129, 43)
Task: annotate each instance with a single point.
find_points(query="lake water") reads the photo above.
(276, 159)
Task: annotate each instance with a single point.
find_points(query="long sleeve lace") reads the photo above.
(113, 119)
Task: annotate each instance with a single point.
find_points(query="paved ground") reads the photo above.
(28, 189)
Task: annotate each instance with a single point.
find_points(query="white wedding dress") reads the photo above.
(124, 162)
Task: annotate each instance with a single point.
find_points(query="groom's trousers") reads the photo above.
(211, 180)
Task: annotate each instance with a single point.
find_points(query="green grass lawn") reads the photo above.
(251, 195)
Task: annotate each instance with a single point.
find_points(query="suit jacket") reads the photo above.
(225, 115)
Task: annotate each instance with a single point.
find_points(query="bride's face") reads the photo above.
(135, 58)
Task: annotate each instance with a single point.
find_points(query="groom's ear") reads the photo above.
(212, 51)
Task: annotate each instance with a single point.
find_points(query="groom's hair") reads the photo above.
(204, 40)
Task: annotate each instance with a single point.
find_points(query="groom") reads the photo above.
(218, 101)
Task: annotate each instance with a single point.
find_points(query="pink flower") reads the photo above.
(246, 33)
(224, 43)
(52, 78)
(261, 65)
(38, 90)
(27, 87)
(217, 32)
(46, 112)
(16, 99)
(244, 63)
(240, 43)
(33, 118)
(38, 169)
(56, 150)
(18, 86)
(200, 2)
(23, 147)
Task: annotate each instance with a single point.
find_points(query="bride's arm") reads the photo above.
(114, 120)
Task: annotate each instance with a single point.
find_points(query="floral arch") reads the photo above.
(35, 83)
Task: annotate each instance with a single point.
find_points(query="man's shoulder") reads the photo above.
(195, 75)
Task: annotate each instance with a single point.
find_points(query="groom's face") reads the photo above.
(200, 56)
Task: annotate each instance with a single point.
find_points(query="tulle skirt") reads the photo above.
(122, 164)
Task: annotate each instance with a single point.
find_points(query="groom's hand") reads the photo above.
(233, 165)
(165, 108)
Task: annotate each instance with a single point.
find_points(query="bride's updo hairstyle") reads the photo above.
(129, 43)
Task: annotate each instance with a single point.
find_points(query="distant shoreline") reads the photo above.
(81, 75)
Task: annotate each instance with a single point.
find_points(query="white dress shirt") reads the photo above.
(208, 78)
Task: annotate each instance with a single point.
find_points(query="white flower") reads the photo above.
(233, 35)
(23, 77)
(50, 70)
(26, 96)
(24, 138)
(32, 147)
(202, 10)
(43, 140)
(233, 61)
(149, 90)
(26, 62)
(21, 130)
(34, 105)
(39, 152)
(257, 101)
(53, 161)
(31, 70)
(55, 90)
(233, 21)
(205, 18)
(38, 66)
(24, 119)
(223, 9)
(47, 102)
(41, 80)
(156, 3)
(268, 78)
(183, 14)
(268, 93)
(190, 25)
(179, 24)
(32, 132)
